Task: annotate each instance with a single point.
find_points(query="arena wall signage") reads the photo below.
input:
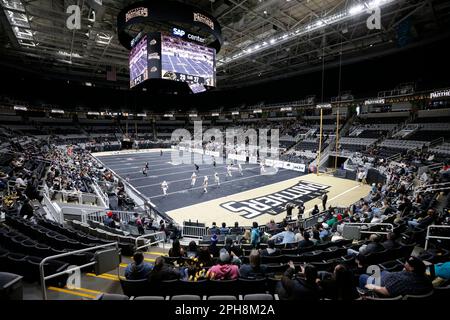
(183, 34)
(275, 203)
(170, 13)
(440, 94)
(374, 101)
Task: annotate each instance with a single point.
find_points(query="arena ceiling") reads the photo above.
(263, 39)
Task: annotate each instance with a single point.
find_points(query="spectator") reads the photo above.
(27, 210)
(214, 229)
(315, 210)
(339, 285)
(270, 251)
(303, 287)
(236, 229)
(205, 258)
(230, 247)
(109, 222)
(255, 235)
(284, 237)
(192, 251)
(412, 280)
(373, 246)
(138, 269)
(390, 242)
(161, 271)
(213, 245)
(305, 243)
(224, 229)
(176, 250)
(254, 269)
(224, 270)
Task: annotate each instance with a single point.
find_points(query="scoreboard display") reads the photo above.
(138, 61)
(187, 61)
(159, 56)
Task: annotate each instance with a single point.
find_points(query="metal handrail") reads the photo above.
(42, 271)
(148, 236)
(428, 237)
(370, 224)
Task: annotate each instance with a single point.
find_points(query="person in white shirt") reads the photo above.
(216, 178)
(164, 187)
(193, 179)
(205, 184)
(262, 168)
(20, 182)
(240, 169)
(229, 171)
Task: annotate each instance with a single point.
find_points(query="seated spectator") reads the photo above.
(231, 247)
(224, 229)
(305, 243)
(205, 258)
(254, 269)
(284, 237)
(236, 229)
(214, 229)
(339, 285)
(27, 210)
(213, 245)
(176, 250)
(390, 242)
(412, 280)
(374, 245)
(161, 271)
(109, 222)
(299, 234)
(224, 270)
(138, 269)
(315, 210)
(192, 250)
(302, 287)
(272, 226)
(270, 251)
(246, 237)
(336, 237)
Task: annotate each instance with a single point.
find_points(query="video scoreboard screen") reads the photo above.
(138, 61)
(158, 56)
(187, 61)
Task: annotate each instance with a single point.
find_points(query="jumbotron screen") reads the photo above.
(187, 61)
(138, 61)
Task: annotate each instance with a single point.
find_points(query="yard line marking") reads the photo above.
(201, 187)
(171, 181)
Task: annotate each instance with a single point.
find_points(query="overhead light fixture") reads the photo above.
(356, 9)
(312, 26)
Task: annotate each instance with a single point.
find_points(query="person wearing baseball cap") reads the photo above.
(411, 280)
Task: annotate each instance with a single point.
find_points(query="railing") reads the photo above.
(42, 271)
(149, 235)
(99, 216)
(361, 224)
(194, 231)
(54, 212)
(428, 237)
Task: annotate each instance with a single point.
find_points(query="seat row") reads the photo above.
(247, 297)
